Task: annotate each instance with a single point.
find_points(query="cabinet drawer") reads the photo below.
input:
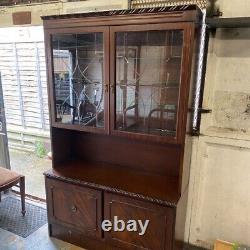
(74, 206)
(159, 233)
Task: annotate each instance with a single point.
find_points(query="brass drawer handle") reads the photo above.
(74, 209)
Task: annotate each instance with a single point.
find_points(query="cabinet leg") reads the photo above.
(49, 230)
(22, 192)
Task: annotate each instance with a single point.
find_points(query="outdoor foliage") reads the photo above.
(40, 149)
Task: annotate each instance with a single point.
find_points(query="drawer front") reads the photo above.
(79, 239)
(159, 233)
(74, 206)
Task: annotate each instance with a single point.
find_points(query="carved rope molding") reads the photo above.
(151, 10)
(160, 3)
(50, 174)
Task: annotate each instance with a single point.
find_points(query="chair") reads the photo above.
(9, 179)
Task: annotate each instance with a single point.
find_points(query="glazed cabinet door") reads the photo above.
(78, 66)
(158, 234)
(149, 76)
(75, 207)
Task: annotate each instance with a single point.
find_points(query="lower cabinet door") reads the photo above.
(158, 235)
(75, 206)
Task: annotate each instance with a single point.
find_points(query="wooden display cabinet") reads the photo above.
(120, 94)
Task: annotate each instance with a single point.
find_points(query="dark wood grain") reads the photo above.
(159, 234)
(102, 173)
(152, 15)
(50, 77)
(78, 238)
(61, 141)
(75, 206)
(133, 154)
(183, 97)
(131, 12)
(112, 177)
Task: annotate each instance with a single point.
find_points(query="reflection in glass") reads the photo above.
(148, 66)
(78, 78)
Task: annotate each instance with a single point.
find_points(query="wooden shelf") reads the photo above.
(237, 22)
(116, 178)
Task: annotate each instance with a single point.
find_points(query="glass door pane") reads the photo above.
(148, 69)
(78, 65)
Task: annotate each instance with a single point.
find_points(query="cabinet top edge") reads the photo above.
(131, 12)
(52, 175)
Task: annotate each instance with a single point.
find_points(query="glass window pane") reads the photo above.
(78, 78)
(148, 67)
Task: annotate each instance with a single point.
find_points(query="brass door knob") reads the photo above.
(106, 88)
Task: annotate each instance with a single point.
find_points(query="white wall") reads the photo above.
(61, 7)
(219, 197)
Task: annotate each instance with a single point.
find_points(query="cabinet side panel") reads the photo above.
(61, 145)
(187, 145)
